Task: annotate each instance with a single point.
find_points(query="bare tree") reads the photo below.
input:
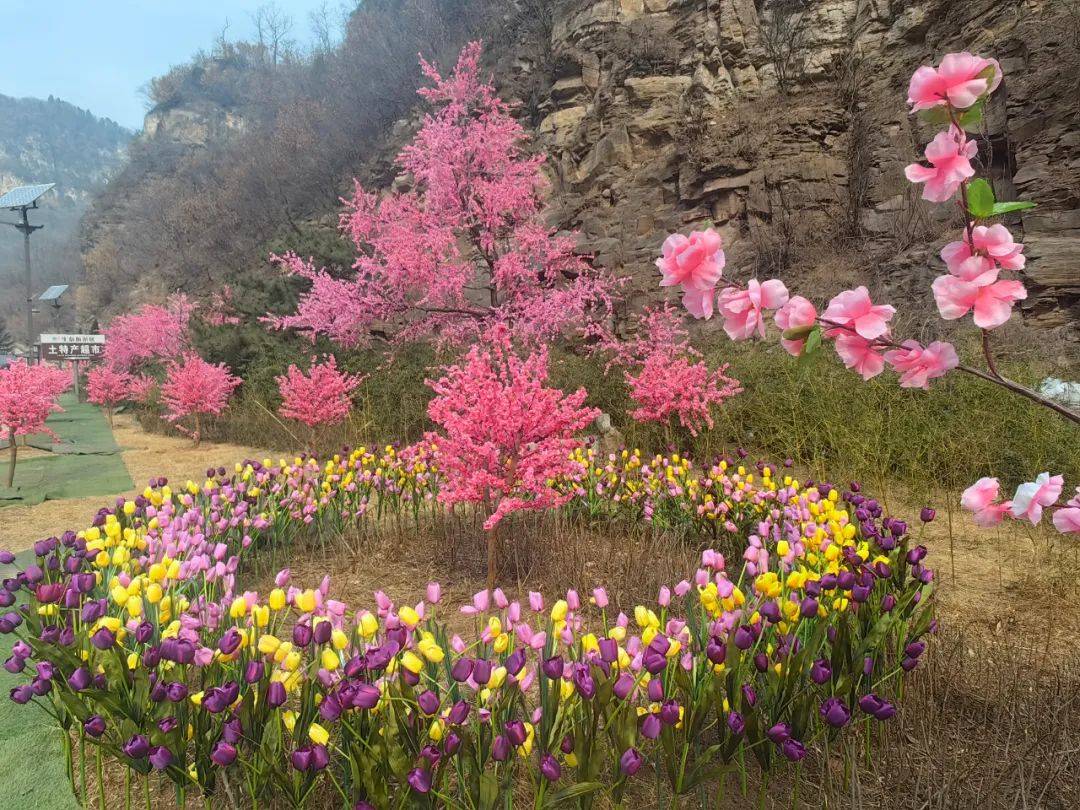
(783, 35)
(272, 30)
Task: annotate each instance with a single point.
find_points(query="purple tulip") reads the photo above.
(567, 744)
(500, 749)
(927, 514)
(451, 743)
(655, 690)
(230, 642)
(168, 724)
(419, 780)
(552, 667)
(22, 694)
(650, 726)
(549, 768)
(653, 662)
(80, 679)
(736, 723)
(481, 671)
(624, 685)
(254, 672)
(820, 671)
(630, 762)
(177, 692)
(515, 661)
(223, 754)
(583, 681)
(94, 725)
(275, 694)
(835, 712)
(15, 665)
(461, 670)
(793, 750)
(161, 758)
(428, 702)
(103, 639)
(137, 747)
(458, 713)
(322, 633)
(609, 650)
(515, 732)
(779, 733)
(301, 635)
(366, 696)
(232, 731)
(744, 639)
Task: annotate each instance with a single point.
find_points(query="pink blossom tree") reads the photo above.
(152, 334)
(321, 397)
(505, 434)
(28, 395)
(108, 387)
(194, 387)
(952, 94)
(668, 378)
(466, 247)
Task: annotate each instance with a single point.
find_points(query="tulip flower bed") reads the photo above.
(137, 638)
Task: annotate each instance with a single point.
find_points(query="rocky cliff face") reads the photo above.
(783, 122)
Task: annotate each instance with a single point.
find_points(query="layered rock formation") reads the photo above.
(784, 123)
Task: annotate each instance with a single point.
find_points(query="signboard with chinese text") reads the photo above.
(72, 347)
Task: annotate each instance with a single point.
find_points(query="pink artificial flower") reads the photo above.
(699, 303)
(993, 244)
(797, 312)
(1067, 519)
(992, 303)
(741, 309)
(695, 262)
(854, 311)
(981, 499)
(1032, 497)
(917, 365)
(960, 80)
(859, 355)
(949, 156)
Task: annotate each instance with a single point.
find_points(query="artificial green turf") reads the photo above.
(85, 462)
(32, 773)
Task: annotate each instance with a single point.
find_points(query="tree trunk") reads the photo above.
(492, 553)
(198, 430)
(11, 463)
(109, 416)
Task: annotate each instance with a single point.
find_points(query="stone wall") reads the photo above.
(783, 122)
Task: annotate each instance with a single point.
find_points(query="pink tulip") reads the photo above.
(434, 592)
(992, 303)
(960, 80)
(536, 601)
(664, 598)
(854, 311)
(859, 355)
(981, 499)
(682, 588)
(741, 309)
(282, 578)
(1032, 497)
(994, 244)
(949, 156)
(600, 597)
(917, 366)
(797, 312)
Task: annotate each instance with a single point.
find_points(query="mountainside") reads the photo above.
(51, 141)
(783, 122)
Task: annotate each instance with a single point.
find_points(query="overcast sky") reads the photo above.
(98, 53)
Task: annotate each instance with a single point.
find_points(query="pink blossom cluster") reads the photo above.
(28, 394)
(464, 248)
(194, 387)
(506, 436)
(152, 334)
(322, 396)
(108, 386)
(667, 376)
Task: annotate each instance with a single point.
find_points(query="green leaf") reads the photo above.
(572, 792)
(798, 332)
(980, 199)
(972, 115)
(813, 341)
(935, 115)
(1002, 208)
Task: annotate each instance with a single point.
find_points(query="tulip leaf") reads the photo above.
(980, 199)
(572, 792)
(1009, 207)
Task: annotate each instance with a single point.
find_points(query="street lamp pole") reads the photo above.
(28, 229)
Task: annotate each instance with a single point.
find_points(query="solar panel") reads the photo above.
(54, 292)
(23, 195)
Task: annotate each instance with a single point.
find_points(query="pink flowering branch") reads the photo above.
(322, 396)
(952, 94)
(152, 334)
(108, 387)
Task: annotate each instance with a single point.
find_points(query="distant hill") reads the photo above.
(51, 141)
